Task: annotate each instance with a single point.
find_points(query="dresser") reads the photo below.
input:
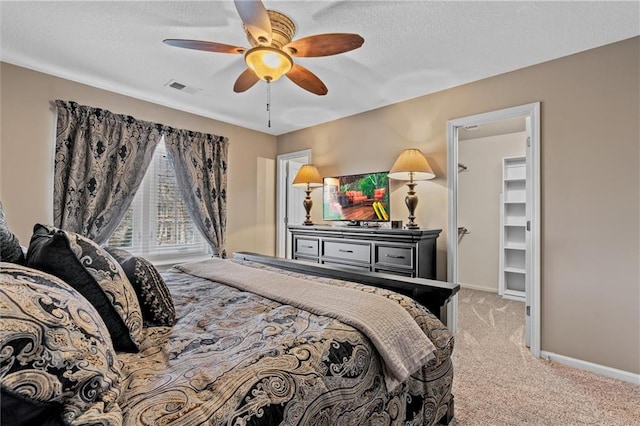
(405, 252)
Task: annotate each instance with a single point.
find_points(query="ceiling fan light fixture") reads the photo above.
(270, 33)
(268, 63)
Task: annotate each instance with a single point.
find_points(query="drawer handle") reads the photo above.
(394, 257)
(308, 246)
(345, 251)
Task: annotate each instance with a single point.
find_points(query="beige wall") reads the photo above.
(590, 235)
(26, 149)
(479, 189)
(590, 159)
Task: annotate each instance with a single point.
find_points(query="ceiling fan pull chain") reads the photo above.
(268, 103)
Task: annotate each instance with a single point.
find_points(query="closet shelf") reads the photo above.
(514, 246)
(513, 222)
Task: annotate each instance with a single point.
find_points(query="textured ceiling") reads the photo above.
(411, 48)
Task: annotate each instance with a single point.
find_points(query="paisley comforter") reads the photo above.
(236, 358)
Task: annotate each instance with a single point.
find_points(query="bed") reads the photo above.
(209, 348)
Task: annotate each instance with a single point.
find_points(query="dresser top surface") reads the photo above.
(363, 230)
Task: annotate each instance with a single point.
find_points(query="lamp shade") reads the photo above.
(308, 175)
(411, 164)
(268, 63)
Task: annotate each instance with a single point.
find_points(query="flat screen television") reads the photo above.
(356, 198)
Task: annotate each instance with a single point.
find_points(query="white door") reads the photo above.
(295, 212)
(289, 208)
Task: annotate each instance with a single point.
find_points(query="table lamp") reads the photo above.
(411, 165)
(309, 177)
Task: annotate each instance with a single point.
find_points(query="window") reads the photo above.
(157, 225)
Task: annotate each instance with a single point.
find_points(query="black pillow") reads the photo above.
(18, 410)
(10, 250)
(92, 271)
(153, 294)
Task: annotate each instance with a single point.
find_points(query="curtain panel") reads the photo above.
(200, 163)
(100, 160)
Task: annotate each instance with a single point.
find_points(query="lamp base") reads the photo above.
(411, 200)
(308, 203)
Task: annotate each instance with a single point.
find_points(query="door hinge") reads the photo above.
(528, 311)
(528, 141)
(528, 225)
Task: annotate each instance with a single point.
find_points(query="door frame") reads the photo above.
(532, 111)
(282, 196)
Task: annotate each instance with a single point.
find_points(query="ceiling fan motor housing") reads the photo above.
(282, 30)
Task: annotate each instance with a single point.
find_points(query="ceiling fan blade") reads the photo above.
(324, 44)
(208, 46)
(307, 80)
(256, 19)
(245, 81)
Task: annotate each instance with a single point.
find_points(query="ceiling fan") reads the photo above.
(270, 35)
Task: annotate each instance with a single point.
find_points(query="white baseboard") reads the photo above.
(477, 287)
(590, 366)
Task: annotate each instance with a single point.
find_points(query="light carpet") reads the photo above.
(498, 382)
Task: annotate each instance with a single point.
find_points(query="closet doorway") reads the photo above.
(502, 148)
(290, 208)
(492, 207)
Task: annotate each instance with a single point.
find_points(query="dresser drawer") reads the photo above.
(306, 246)
(396, 256)
(360, 268)
(307, 259)
(402, 272)
(347, 251)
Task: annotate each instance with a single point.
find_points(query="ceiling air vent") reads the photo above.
(182, 87)
(177, 85)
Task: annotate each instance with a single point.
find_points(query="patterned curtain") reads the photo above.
(200, 162)
(100, 160)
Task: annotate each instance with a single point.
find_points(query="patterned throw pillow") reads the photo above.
(57, 364)
(92, 271)
(10, 250)
(153, 294)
